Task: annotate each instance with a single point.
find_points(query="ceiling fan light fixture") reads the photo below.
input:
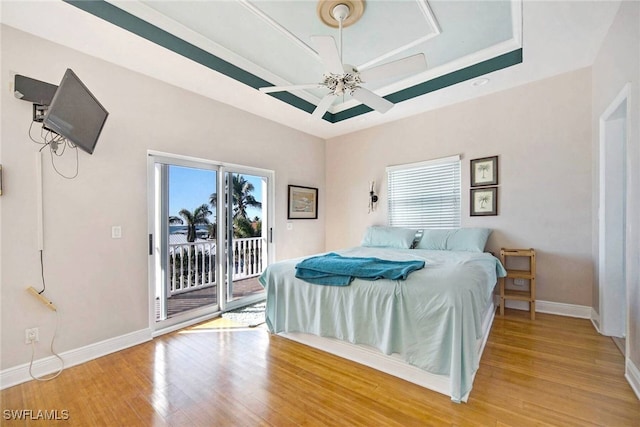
(340, 84)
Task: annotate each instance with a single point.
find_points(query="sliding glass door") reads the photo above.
(208, 237)
(183, 242)
(246, 234)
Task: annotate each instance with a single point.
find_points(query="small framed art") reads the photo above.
(484, 201)
(484, 171)
(303, 202)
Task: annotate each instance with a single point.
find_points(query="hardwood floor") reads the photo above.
(551, 371)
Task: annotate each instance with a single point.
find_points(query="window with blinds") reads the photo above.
(425, 194)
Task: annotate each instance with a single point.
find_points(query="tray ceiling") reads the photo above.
(269, 41)
(225, 50)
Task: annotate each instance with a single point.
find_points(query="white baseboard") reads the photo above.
(632, 374)
(595, 319)
(20, 374)
(550, 307)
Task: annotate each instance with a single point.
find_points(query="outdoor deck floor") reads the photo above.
(207, 296)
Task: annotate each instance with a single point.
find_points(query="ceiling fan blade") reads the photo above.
(269, 89)
(410, 65)
(326, 48)
(323, 106)
(372, 100)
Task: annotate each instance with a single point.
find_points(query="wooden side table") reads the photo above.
(527, 274)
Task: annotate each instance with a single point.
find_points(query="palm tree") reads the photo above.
(484, 167)
(199, 216)
(242, 197)
(241, 190)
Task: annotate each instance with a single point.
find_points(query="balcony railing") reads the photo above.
(193, 265)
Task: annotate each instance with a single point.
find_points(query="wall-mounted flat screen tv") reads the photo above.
(75, 113)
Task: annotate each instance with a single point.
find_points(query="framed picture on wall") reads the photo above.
(484, 171)
(484, 201)
(303, 202)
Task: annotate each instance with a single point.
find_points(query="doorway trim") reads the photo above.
(613, 321)
(202, 314)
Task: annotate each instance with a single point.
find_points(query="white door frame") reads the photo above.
(198, 315)
(614, 126)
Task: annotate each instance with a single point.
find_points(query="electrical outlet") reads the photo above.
(31, 335)
(519, 282)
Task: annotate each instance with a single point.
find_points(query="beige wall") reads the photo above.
(100, 284)
(545, 134)
(617, 64)
(542, 135)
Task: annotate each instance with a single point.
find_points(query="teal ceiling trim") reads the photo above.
(468, 73)
(471, 72)
(135, 25)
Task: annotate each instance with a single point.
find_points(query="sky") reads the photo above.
(191, 187)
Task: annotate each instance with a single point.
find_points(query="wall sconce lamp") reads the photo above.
(373, 198)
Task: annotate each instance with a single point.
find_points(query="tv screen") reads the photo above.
(75, 113)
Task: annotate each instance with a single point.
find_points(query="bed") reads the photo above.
(429, 329)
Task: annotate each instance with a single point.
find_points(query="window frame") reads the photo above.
(428, 171)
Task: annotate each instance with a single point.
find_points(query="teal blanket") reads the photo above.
(335, 270)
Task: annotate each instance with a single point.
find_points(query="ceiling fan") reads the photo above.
(341, 78)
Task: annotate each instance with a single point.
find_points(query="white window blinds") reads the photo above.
(425, 194)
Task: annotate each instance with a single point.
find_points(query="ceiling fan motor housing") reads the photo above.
(340, 12)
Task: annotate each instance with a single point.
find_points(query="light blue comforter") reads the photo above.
(432, 319)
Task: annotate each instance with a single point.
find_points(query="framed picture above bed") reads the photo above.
(302, 202)
(484, 201)
(484, 171)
